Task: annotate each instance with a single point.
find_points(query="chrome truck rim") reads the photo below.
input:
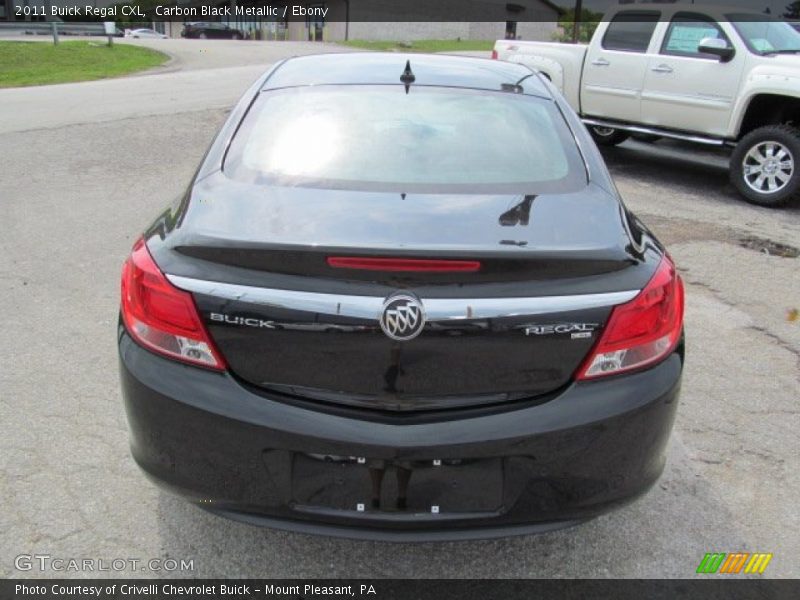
(768, 167)
(604, 131)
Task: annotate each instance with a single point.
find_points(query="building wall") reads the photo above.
(541, 31)
(540, 24)
(536, 22)
(410, 31)
(407, 31)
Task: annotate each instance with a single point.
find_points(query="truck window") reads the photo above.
(766, 36)
(685, 33)
(630, 31)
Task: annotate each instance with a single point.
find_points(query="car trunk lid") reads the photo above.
(289, 322)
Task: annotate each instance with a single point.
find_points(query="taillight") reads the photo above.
(161, 317)
(494, 54)
(642, 331)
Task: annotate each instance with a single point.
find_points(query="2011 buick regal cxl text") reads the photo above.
(401, 299)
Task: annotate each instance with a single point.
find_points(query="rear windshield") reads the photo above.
(429, 140)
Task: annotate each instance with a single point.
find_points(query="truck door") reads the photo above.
(686, 89)
(615, 65)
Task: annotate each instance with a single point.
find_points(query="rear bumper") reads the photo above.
(205, 436)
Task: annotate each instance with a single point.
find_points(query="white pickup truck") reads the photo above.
(711, 75)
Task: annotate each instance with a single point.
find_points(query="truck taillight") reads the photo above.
(494, 54)
(642, 331)
(161, 317)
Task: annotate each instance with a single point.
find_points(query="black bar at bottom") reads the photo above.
(711, 588)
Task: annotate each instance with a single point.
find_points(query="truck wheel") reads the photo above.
(764, 165)
(607, 136)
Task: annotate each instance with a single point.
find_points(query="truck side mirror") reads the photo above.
(717, 47)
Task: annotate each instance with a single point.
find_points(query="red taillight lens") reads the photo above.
(494, 54)
(160, 316)
(642, 331)
(403, 264)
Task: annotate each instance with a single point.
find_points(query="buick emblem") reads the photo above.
(403, 317)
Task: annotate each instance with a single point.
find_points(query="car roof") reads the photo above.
(380, 68)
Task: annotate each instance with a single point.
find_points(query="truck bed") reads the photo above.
(560, 63)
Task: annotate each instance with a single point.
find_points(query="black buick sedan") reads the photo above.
(401, 299)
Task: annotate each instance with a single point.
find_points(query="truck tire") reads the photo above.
(764, 165)
(607, 136)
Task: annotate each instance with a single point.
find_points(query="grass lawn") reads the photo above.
(39, 63)
(423, 45)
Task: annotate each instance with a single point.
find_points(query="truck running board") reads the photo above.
(660, 132)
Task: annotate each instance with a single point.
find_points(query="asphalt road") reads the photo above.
(87, 166)
(200, 75)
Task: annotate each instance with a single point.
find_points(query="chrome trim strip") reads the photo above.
(655, 131)
(370, 307)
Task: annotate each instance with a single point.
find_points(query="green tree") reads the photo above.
(589, 22)
(792, 11)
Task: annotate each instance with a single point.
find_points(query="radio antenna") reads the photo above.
(408, 76)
